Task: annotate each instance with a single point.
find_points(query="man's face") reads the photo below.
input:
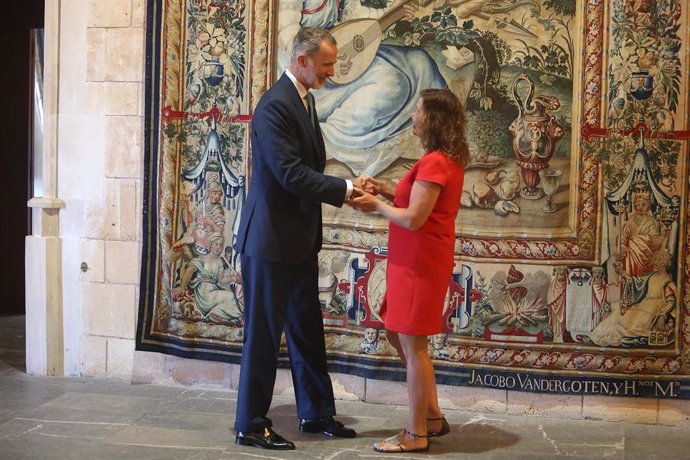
(370, 335)
(438, 340)
(319, 66)
(215, 196)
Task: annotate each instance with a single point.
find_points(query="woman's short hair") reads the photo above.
(308, 41)
(443, 124)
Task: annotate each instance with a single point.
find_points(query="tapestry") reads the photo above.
(571, 271)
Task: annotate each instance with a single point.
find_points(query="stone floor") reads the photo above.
(73, 418)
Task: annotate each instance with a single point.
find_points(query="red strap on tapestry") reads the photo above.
(320, 7)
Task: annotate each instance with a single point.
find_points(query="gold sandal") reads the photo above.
(445, 428)
(395, 444)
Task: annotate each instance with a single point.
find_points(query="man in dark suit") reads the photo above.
(279, 239)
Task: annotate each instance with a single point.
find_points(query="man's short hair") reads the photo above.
(308, 41)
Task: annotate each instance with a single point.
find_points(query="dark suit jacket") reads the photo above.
(281, 219)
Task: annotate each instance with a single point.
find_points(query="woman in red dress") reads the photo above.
(420, 255)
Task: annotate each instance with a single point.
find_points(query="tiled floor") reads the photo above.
(69, 418)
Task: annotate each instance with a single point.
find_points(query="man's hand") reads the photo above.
(363, 201)
(357, 181)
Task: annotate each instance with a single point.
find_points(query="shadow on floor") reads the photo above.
(13, 343)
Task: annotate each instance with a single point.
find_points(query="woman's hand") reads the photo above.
(371, 185)
(375, 187)
(363, 201)
(365, 183)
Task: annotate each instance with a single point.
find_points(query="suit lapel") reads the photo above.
(319, 149)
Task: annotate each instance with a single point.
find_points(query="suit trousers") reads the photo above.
(280, 297)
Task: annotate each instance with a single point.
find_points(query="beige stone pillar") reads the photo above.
(43, 250)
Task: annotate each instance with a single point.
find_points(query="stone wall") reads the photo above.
(99, 171)
(100, 159)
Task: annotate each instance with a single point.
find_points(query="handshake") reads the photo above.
(364, 195)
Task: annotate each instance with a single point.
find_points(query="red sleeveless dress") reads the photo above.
(420, 263)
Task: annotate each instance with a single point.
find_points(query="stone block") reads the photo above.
(234, 383)
(345, 387)
(122, 262)
(620, 409)
(103, 219)
(73, 57)
(197, 372)
(129, 210)
(93, 356)
(125, 54)
(283, 386)
(138, 13)
(473, 399)
(108, 310)
(114, 217)
(148, 368)
(123, 147)
(73, 219)
(139, 197)
(81, 142)
(110, 13)
(96, 62)
(142, 105)
(348, 387)
(113, 98)
(93, 259)
(71, 305)
(544, 404)
(120, 358)
(675, 412)
(385, 392)
(35, 258)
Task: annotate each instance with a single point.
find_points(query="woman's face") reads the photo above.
(561, 274)
(418, 118)
(641, 205)
(597, 276)
(216, 247)
(660, 261)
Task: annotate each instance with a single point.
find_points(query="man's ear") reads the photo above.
(302, 60)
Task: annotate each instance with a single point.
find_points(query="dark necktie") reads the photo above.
(310, 108)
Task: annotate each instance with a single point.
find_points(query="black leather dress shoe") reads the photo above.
(265, 439)
(328, 426)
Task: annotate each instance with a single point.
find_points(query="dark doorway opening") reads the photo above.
(15, 103)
